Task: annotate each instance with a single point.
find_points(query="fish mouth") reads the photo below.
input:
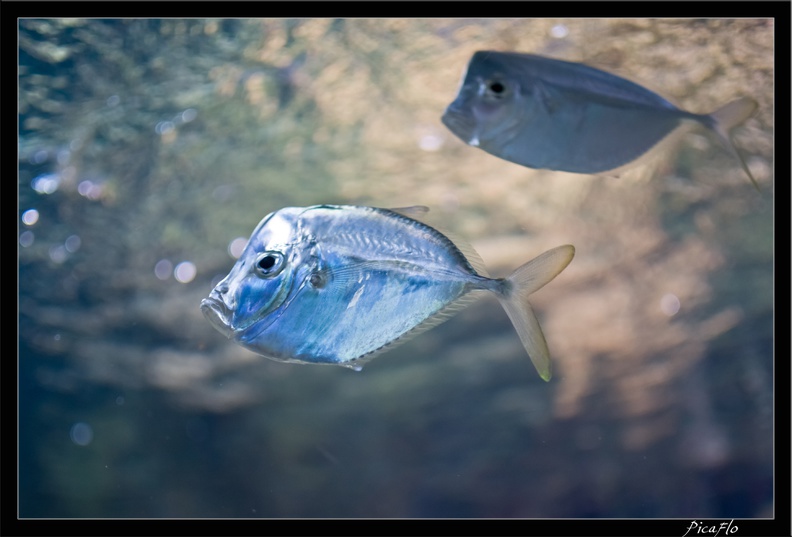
(458, 122)
(217, 313)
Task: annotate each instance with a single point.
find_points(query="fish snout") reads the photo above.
(457, 110)
(217, 313)
(458, 120)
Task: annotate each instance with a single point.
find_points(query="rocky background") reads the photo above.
(147, 147)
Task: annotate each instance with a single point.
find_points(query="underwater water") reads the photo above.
(149, 150)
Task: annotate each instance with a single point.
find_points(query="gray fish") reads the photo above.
(557, 115)
(336, 284)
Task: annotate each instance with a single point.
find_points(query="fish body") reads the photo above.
(551, 114)
(334, 284)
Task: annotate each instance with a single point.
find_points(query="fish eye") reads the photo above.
(496, 88)
(269, 264)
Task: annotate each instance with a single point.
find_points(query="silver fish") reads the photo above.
(557, 115)
(336, 284)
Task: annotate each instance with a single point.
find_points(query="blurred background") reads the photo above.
(150, 149)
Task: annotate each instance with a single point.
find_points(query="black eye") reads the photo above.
(269, 264)
(496, 88)
(266, 262)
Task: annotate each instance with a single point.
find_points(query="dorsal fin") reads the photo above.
(419, 213)
(414, 211)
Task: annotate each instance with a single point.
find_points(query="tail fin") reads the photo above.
(729, 116)
(524, 281)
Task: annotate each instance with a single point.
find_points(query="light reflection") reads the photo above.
(236, 246)
(669, 304)
(189, 115)
(63, 156)
(46, 183)
(30, 217)
(26, 239)
(559, 31)
(38, 157)
(81, 434)
(164, 127)
(162, 269)
(58, 253)
(90, 190)
(72, 244)
(184, 272)
(430, 142)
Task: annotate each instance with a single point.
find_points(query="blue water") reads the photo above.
(149, 149)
